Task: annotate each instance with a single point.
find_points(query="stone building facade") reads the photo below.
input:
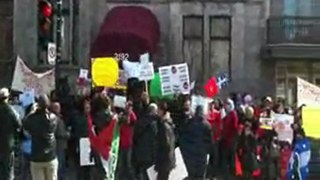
(212, 36)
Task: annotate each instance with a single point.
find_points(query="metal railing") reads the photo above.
(292, 29)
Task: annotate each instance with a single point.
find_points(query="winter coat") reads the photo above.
(42, 126)
(195, 142)
(9, 125)
(145, 140)
(165, 159)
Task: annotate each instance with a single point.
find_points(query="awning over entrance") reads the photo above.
(127, 29)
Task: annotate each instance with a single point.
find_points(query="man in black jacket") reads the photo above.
(42, 126)
(9, 126)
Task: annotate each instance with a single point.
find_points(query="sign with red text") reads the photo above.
(307, 93)
(25, 79)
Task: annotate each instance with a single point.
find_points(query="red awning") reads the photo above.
(127, 29)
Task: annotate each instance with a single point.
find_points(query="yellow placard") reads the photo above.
(105, 71)
(311, 121)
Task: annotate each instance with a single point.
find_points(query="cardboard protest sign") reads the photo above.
(146, 72)
(105, 71)
(282, 125)
(85, 152)
(25, 79)
(307, 93)
(175, 79)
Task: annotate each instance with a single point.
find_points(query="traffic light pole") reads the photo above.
(58, 42)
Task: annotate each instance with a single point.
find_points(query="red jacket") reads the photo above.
(284, 162)
(230, 128)
(126, 132)
(214, 118)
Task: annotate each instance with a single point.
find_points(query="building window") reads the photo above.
(193, 27)
(193, 44)
(220, 43)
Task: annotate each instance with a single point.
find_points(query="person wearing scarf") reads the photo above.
(229, 136)
(299, 162)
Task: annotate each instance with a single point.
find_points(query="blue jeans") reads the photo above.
(62, 164)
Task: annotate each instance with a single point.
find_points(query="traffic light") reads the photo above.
(45, 23)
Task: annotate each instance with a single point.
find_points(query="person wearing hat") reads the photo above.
(9, 126)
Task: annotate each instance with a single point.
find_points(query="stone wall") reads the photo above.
(248, 22)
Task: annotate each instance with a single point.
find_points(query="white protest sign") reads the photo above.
(85, 152)
(175, 79)
(119, 101)
(131, 68)
(146, 72)
(83, 73)
(200, 101)
(144, 59)
(307, 93)
(52, 53)
(282, 125)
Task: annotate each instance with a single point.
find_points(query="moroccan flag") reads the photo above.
(106, 144)
(215, 84)
(211, 87)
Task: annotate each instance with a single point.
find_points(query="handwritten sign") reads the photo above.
(282, 125)
(25, 79)
(307, 93)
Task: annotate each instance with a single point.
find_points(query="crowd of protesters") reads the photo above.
(225, 143)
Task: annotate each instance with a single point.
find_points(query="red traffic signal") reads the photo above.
(45, 8)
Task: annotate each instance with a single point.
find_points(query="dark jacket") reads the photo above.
(42, 126)
(247, 150)
(9, 124)
(145, 140)
(165, 159)
(62, 135)
(195, 142)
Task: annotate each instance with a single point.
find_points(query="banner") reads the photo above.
(310, 121)
(266, 120)
(25, 79)
(175, 79)
(307, 93)
(282, 125)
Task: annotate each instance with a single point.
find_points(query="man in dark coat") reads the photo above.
(165, 159)
(145, 136)
(9, 124)
(195, 142)
(42, 126)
